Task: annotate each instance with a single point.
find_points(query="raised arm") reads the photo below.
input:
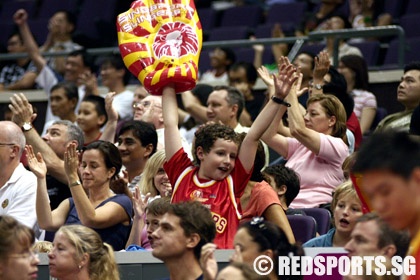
(101, 217)
(111, 125)
(193, 106)
(308, 137)
(170, 118)
(283, 83)
(322, 65)
(23, 113)
(139, 207)
(21, 20)
(47, 219)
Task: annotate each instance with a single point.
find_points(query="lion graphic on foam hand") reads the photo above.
(175, 40)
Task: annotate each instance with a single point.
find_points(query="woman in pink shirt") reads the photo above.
(317, 148)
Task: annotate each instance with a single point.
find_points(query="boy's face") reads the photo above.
(346, 212)
(219, 161)
(152, 223)
(88, 118)
(395, 199)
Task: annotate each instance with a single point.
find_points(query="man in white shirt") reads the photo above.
(17, 185)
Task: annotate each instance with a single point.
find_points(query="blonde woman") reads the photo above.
(79, 253)
(154, 179)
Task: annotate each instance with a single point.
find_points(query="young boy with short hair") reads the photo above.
(223, 168)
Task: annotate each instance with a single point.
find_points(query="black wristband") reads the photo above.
(280, 101)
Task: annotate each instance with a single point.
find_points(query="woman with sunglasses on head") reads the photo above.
(254, 238)
(18, 261)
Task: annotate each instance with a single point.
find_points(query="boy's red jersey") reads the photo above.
(221, 197)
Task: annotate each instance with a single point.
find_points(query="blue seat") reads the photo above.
(381, 113)
(286, 13)
(50, 7)
(303, 227)
(370, 51)
(322, 217)
(413, 7)
(409, 24)
(249, 16)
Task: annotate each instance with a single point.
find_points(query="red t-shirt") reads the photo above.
(262, 196)
(354, 126)
(221, 197)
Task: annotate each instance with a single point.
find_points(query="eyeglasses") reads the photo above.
(7, 144)
(29, 255)
(145, 104)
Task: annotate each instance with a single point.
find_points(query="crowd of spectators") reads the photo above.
(222, 166)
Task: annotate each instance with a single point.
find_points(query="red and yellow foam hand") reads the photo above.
(160, 42)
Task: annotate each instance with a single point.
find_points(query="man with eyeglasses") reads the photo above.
(18, 186)
(150, 110)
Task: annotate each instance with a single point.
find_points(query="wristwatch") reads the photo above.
(27, 126)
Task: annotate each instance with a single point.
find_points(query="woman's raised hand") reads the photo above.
(36, 163)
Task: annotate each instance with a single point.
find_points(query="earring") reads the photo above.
(80, 267)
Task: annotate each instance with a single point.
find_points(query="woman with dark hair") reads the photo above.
(355, 71)
(100, 201)
(18, 261)
(255, 238)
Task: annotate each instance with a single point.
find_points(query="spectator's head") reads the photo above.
(183, 230)
(78, 63)
(355, 71)
(222, 58)
(139, 94)
(242, 73)
(150, 110)
(154, 179)
(325, 114)
(225, 104)
(79, 248)
(137, 141)
(113, 71)
(388, 169)
(60, 134)
(15, 43)
(17, 258)
(12, 144)
(337, 86)
(92, 114)
(408, 92)
(338, 22)
(373, 237)
(259, 237)
(346, 208)
(208, 140)
(284, 181)
(64, 97)
(306, 62)
(154, 213)
(63, 23)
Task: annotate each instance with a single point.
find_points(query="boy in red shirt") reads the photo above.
(219, 179)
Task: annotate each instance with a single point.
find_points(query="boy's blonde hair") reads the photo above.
(43, 246)
(345, 189)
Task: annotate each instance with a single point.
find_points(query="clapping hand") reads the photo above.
(36, 163)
